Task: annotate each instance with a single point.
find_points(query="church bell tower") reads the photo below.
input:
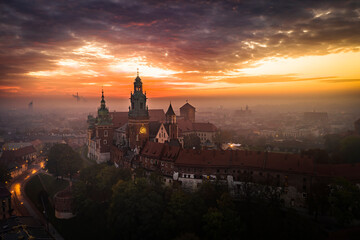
(138, 124)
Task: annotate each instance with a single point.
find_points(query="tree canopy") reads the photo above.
(192, 141)
(63, 160)
(115, 205)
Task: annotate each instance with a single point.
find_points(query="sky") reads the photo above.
(188, 49)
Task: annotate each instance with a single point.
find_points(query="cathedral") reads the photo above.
(153, 140)
(130, 130)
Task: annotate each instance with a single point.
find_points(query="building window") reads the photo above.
(105, 142)
(105, 133)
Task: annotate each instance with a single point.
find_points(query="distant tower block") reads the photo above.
(187, 112)
(30, 106)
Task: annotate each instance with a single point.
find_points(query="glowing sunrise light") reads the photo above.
(63, 73)
(320, 13)
(91, 83)
(128, 66)
(210, 85)
(71, 63)
(91, 49)
(309, 66)
(233, 51)
(48, 73)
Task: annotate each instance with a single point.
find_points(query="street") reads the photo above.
(22, 205)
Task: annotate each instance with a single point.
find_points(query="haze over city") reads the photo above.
(186, 119)
(257, 50)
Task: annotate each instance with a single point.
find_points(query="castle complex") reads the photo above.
(153, 140)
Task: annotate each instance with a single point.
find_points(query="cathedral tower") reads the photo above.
(138, 125)
(103, 134)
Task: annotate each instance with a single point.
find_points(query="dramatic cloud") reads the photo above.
(61, 47)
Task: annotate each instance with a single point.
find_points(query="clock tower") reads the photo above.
(138, 124)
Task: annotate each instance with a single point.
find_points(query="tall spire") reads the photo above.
(137, 83)
(103, 117)
(170, 115)
(138, 99)
(102, 99)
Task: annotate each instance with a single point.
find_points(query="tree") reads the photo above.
(350, 149)
(192, 141)
(109, 176)
(344, 201)
(135, 211)
(222, 136)
(63, 160)
(332, 143)
(317, 201)
(178, 217)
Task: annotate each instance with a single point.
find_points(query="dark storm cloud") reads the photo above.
(198, 35)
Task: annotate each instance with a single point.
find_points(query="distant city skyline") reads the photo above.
(201, 49)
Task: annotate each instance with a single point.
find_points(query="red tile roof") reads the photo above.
(348, 170)
(279, 162)
(290, 162)
(187, 106)
(153, 129)
(228, 159)
(189, 126)
(204, 127)
(10, 160)
(24, 151)
(119, 118)
(184, 125)
(152, 150)
(170, 153)
(160, 151)
(36, 142)
(157, 115)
